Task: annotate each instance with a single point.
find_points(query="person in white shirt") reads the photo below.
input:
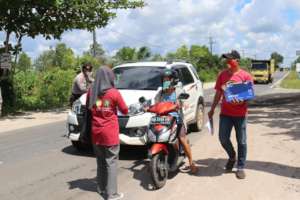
(82, 82)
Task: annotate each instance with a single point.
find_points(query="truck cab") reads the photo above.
(263, 70)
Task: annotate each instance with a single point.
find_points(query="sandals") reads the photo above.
(193, 169)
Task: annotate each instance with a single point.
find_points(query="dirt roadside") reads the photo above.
(30, 119)
(273, 162)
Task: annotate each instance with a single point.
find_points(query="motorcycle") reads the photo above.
(165, 152)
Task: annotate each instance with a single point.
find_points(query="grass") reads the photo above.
(292, 81)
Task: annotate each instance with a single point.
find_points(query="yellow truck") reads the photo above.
(263, 70)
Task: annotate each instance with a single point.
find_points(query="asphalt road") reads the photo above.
(40, 163)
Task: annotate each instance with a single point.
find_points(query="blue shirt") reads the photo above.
(171, 98)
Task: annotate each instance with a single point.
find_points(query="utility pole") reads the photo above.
(211, 43)
(243, 53)
(94, 43)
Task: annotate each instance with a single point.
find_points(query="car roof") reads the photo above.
(151, 64)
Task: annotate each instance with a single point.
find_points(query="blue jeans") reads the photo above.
(225, 127)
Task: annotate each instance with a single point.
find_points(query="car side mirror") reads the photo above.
(183, 96)
(142, 99)
(179, 84)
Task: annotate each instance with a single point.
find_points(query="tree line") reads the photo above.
(46, 82)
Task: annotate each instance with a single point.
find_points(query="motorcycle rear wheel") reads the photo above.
(159, 170)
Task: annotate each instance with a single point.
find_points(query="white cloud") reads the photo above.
(258, 27)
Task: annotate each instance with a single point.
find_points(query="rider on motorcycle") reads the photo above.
(169, 93)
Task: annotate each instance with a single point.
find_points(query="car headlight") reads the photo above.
(135, 109)
(141, 131)
(138, 132)
(76, 108)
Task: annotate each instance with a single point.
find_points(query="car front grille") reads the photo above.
(259, 76)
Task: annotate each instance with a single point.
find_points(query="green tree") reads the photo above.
(24, 62)
(61, 57)
(45, 61)
(125, 54)
(245, 63)
(96, 49)
(87, 58)
(51, 18)
(278, 58)
(182, 53)
(170, 56)
(201, 57)
(95, 54)
(64, 57)
(143, 53)
(198, 52)
(157, 57)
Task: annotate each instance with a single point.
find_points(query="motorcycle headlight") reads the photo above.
(76, 108)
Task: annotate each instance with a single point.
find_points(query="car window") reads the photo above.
(138, 78)
(194, 72)
(185, 75)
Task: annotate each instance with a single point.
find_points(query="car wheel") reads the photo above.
(198, 125)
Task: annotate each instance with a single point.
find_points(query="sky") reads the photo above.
(255, 28)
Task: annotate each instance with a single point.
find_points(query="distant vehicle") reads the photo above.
(263, 70)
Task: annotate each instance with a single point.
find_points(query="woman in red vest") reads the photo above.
(103, 101)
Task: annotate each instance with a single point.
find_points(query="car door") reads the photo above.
(190, 87)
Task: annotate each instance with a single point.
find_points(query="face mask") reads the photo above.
(166, 85)
(233, 64)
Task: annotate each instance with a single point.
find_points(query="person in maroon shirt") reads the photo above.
(103, 102)
(233, 114)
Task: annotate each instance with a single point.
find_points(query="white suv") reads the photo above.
(143, 79)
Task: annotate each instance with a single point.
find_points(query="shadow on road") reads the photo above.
(72, 151)
(214, 167)
(126, 152)
(277, 111)
(133, 152)
(86, 184)
(141, 173)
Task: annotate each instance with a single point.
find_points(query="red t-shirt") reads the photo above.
(105, 125)
(230, 109)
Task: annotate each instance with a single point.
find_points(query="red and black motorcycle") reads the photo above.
(164, 148)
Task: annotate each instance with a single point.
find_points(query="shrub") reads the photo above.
(43, 90)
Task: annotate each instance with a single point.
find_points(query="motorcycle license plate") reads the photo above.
(161, 120)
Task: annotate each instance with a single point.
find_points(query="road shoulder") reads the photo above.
(31, 119)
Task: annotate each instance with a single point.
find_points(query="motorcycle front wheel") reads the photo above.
(159, 170)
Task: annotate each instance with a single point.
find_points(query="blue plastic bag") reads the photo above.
(240, 91)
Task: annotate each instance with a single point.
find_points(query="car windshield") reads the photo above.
(138, 78)
(259, 66)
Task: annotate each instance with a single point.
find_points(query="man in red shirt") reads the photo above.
(233, 114)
